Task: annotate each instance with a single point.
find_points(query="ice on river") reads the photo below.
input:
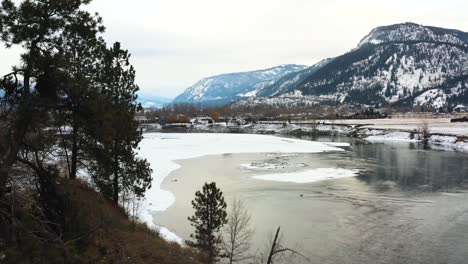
(309, 176)
(162, 150)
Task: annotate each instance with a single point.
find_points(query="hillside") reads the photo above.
(96, 231)
(227, 88)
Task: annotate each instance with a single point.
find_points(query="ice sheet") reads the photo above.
(162, 150)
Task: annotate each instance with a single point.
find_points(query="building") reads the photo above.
(237, 121)
(203, 120)
(460, 109)
(141, 119)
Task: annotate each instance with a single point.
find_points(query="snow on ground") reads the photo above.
(392, 136)
(338, 144)
(162, 150)
(309, 176)
(283, 155)
(441, 142)
(436, 125)
(448, 142)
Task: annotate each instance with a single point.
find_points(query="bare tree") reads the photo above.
(132, 205)
(276, 252)
(237, 233)
(423, 130)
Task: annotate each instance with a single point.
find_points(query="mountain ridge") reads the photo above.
(152, 101)
(393, 64)
(404, 64)
(229, 87)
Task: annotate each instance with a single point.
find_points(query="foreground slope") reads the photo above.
(96, 231)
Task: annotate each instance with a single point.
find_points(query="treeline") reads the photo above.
(182, 113)
(66, 109)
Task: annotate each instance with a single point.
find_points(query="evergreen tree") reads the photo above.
(30, 92)
(37, 26)
(67, 78)
(117, 168)
(210, 215)
(81, 51)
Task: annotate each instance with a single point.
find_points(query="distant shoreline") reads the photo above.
(440, 133)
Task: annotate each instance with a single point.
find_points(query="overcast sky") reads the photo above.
(177, 42)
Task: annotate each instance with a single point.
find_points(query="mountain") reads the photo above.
(288, 82)
(227, 88)
(402, 64)
(149, 101)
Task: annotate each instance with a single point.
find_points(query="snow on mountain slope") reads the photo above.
(435, 97)
(408, 32)
(230, 87)
(286, 83)
(149, 101)
(394, 64)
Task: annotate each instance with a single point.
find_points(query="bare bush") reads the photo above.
(423, 130)
(237, 234)
(131, 203)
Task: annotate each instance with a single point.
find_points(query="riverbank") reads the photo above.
(437, 133)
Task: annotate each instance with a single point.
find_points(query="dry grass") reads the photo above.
(104, 235)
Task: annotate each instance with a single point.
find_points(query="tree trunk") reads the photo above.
(211, 252)
(66, 152)
(8, 158)
(273, 246)
(74, 158)
(3, 180)
(116, 176)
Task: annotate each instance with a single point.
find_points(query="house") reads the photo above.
(141, 119)
(460, 109)
(202, 120)
(237, 121)
(223, 119)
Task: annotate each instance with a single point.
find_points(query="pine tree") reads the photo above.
(33, 89)
(81, 50)
(37, 26)
(210, 215)
(118, 169)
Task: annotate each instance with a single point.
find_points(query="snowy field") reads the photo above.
(162, 150)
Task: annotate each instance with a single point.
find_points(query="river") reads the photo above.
(407, 204)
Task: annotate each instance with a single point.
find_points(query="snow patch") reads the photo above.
(270, 165)
(392, 136)
(435, 97)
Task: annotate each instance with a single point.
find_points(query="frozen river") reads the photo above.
(363, 203)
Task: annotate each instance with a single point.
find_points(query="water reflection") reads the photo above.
(404, 195)
(408, 166)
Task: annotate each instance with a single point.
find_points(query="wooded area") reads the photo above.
(66, 112)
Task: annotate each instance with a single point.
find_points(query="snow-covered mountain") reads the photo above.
(227, 88)
(403, 64)
(288, 82)
(150, 101)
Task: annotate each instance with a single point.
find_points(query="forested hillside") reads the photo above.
(69, 170)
